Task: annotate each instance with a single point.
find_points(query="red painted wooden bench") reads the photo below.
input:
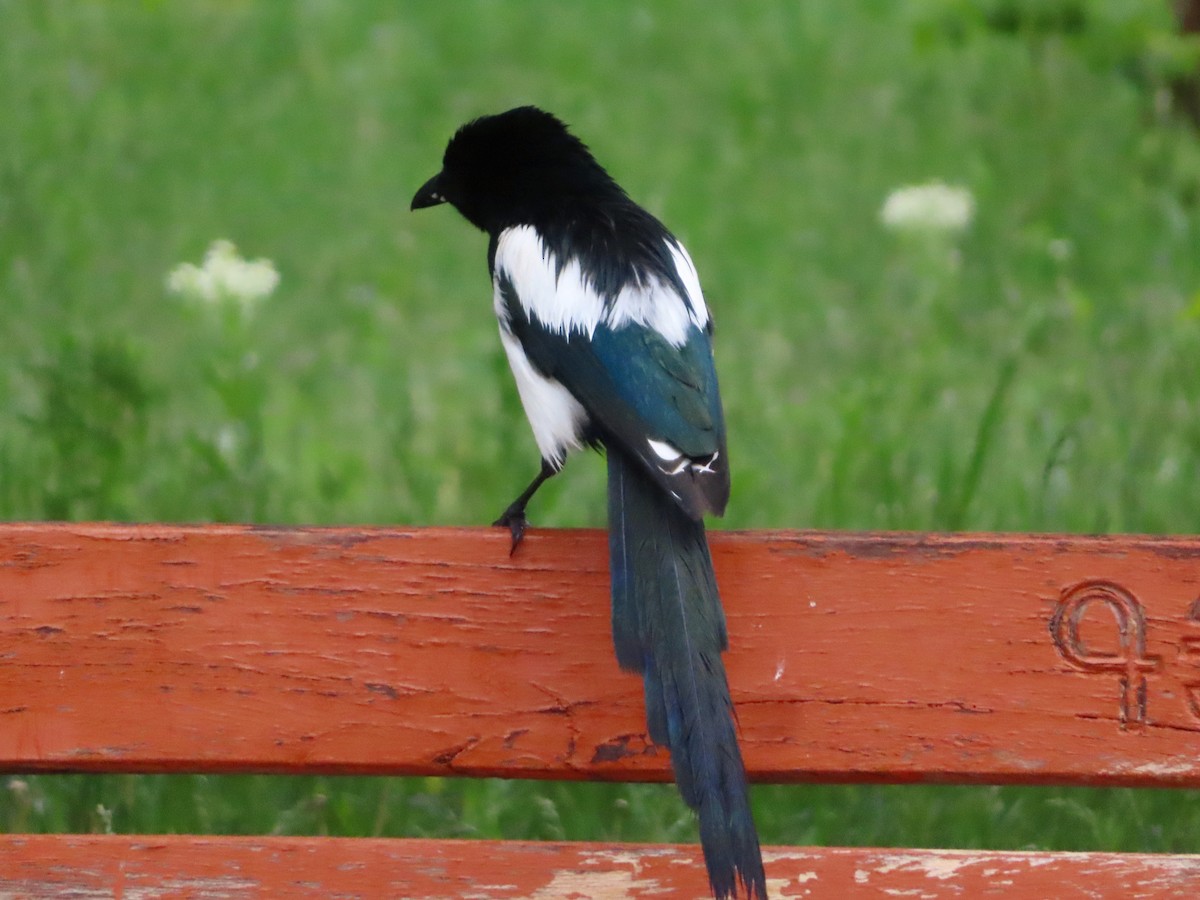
(856, 657)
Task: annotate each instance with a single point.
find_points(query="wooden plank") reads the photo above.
(147, 867)
(897, 657)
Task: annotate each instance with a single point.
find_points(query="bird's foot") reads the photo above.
(514, 520)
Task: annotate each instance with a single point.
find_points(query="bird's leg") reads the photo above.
(513, 518)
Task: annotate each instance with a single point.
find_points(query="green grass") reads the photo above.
(1047, 380)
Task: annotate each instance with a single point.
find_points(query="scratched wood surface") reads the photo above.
(892, 657)
(178, 866)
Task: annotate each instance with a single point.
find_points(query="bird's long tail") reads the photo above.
(668, 625)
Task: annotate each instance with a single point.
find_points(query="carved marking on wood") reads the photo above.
(1190, 652)
(1127, 659)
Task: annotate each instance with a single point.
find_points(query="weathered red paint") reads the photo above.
(58, 866)
(854, 657)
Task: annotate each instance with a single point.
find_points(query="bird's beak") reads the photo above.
(429, 194)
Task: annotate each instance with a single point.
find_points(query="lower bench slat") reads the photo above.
(147, 867)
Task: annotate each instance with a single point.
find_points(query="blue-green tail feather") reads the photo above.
(668, 625)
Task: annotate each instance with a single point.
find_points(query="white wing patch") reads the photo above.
(675, 462)
(691, 283)
(566, 304)
(663, 450)
(561, 303)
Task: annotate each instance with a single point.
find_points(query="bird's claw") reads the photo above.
(514, 520)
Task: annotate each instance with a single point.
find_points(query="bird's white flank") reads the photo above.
(556, 418)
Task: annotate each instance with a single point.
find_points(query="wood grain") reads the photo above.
(175, 866)
(886, 657)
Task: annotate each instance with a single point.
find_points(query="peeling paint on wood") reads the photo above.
(75, 866)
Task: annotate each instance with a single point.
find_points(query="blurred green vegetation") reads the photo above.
(1040, 371)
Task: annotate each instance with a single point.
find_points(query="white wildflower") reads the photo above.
(1060, 249)
(228, 441)
(932, 207)
(224, 276)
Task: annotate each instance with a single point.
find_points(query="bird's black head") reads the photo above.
(517, 167)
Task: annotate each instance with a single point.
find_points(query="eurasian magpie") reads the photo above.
(609, 339)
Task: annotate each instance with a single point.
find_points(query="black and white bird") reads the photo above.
(609, 340)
